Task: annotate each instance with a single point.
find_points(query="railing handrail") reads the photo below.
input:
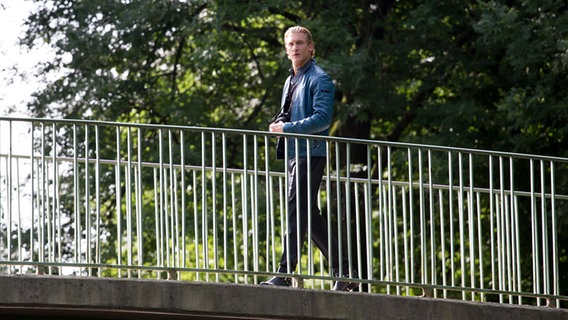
(385, 143)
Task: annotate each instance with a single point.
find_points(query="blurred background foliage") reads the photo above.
(476, 74)
(481, 74)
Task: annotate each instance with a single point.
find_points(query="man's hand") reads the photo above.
(276, 127)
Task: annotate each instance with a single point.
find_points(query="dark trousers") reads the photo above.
(319, 230)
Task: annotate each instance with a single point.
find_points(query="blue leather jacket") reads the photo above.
(311, 109)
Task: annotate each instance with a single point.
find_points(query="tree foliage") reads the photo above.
(488, 74)
(483, 74)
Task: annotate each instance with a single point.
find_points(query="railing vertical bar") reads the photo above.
(170, 213)
(423, 253)
(9, 195)
(492, 226)
(97, 199)
(252, 219)
(234, 226)
(380, 209)
(395, 236)
(340, 253)
(177, 238)
(139, 193)
(41, 200)
(442, 241)
(411, 213)
(298, 205)
(515, 231)
(514, 227)
(480, 242)
(156, 217)
(348, 212)
(183, 188)
(320, 256)
(157, 222)
(510, 225)
(471, 226)
(167, 213)
(33, 190)
(384, 246)
(48, 207)
(328, 191)
(269, 249)
(47, 228)
(358, 240)
(272, 225)
(4, 207)
(49, 221)
(284, 213)
(19, 215)
(501, 230)
(204, 204)
(20, 250)
(310, 267)
(54, 206)
(162, 212)
(406, 236)
(4, 180)
(128, 198)
(461, 223)
(389, 221)
(517, 266)
(18, 218)
(368, 219)
(451, 218)
(544, 224)
(534, 233)
(254, 207)
(42, 189)
(214, 204)
(225, 212)
(76, 197)
(196, 231)
(432, 224)
(244, 197)
(87, 200)
(118, 202)
(554, 228)
(508, 244)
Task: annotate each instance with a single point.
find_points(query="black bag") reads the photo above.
(280, 148)
(284, 116)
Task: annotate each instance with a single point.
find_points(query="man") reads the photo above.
(307, 108)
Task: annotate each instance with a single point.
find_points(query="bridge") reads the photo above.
(123, 208)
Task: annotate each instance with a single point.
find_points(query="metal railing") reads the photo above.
(207, 204)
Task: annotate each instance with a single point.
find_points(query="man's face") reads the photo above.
(298, 49)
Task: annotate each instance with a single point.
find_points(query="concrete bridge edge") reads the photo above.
(111, 298)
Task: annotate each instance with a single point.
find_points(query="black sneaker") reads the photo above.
(344, 285)
(277, 281)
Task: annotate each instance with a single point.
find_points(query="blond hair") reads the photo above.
(303, 30)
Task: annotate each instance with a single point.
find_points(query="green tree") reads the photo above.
(485, 74)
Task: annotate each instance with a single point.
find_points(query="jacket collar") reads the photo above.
(303, 69)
